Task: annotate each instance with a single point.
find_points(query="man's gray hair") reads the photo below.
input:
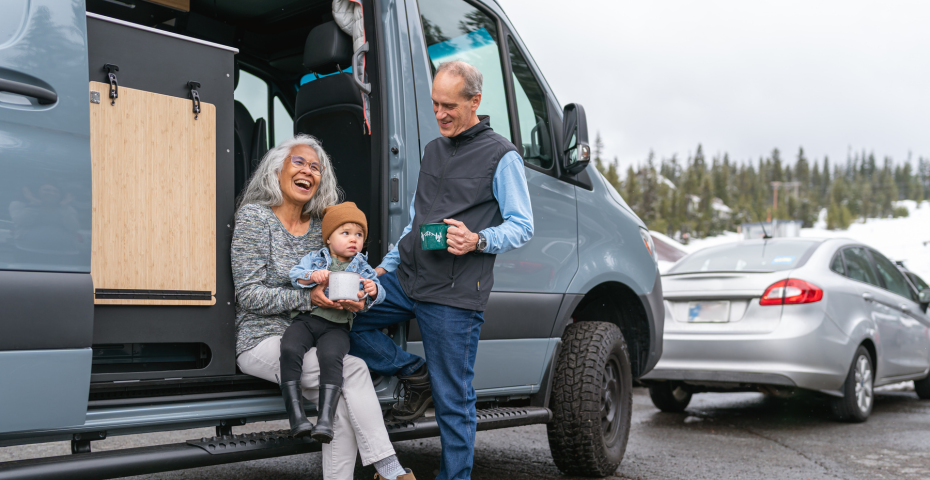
(467, 72)
(264, 187)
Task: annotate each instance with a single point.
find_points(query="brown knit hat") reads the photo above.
(338, 215)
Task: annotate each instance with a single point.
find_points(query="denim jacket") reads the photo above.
(320, 260)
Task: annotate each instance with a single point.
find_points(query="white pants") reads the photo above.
(357, 425)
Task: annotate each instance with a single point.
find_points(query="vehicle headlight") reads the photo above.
(650, 245)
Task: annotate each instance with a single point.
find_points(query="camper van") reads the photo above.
(129, 127)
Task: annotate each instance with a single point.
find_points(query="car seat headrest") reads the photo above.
(327, 46)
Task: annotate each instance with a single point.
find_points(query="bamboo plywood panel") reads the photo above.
(154, 195)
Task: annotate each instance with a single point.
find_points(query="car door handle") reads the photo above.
(904, 308)
(43, 95)
(868, 297)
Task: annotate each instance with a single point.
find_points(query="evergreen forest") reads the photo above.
(697, 197)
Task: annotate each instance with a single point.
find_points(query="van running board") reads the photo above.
(204, 452)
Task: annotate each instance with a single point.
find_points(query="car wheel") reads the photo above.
(669, 396)
(922, 387)
(858, 396)
(591, 401)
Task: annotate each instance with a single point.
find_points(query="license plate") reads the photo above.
(709, 312)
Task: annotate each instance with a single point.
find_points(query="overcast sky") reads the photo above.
(738, 76)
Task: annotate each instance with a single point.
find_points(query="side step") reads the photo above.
(230, 449)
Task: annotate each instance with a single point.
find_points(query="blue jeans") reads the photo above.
(450, 341)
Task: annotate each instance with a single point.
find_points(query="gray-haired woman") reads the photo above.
(277, 223)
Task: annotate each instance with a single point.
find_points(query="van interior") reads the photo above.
(292, 75)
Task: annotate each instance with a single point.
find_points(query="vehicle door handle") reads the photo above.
(904, 308)
(43, 95)
(868, 297)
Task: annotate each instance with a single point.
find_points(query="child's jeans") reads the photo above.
(331, 340)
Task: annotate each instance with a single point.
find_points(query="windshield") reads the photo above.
(769, 256)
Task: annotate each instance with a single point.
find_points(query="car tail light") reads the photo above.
(791, 292)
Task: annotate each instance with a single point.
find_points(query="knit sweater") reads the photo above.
(263, 253)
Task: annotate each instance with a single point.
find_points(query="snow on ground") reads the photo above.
(906, 238)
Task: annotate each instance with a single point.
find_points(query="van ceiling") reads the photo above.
(269, 34)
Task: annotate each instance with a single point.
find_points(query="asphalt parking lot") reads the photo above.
(720, 436)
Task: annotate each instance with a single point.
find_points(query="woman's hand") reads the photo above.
(318, 298)
(380, 271)
(353, 306)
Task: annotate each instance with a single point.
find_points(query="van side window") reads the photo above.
(252, 92)
(894, 279)
(531, 111)
(455, 30)
(283, 123)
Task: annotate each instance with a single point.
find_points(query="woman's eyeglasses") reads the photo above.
(302, 163)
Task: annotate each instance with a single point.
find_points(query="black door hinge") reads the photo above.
(195, 97)
(114, 84)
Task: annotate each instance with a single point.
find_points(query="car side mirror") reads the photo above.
(924, 296)
(577, 153)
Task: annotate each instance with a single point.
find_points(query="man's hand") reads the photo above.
(353, 306)
(461, 240)
(371, 288)
(380, 271)
(318, 298)
(320, 276)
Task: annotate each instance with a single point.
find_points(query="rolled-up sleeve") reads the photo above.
(513, 196)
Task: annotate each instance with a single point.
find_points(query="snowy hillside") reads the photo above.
(906, 239)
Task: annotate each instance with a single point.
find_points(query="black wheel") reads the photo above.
(922, 387)
(591, 401)
(858, 397)
(669, 396)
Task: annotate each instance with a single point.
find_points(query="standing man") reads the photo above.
(472, 179)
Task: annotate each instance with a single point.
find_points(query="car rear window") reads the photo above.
(761, 256)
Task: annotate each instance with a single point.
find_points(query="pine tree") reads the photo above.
(598, 151)
(631, 190)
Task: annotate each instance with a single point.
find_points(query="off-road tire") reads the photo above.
(593, 380)
(847, 408)
(922, 387)
(669, 396)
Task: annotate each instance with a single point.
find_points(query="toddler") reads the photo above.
(327, 329)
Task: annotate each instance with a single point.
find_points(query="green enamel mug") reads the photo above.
(433, 236)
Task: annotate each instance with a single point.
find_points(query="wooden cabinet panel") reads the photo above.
(154, 198)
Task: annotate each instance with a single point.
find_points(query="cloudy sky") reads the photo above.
(738, 76)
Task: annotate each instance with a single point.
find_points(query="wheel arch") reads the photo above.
(617, 303)
(870, 346)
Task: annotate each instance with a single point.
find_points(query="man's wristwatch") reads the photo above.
(482, 243)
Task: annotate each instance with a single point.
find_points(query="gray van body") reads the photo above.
(587, 247)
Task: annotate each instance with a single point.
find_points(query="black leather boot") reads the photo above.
(326, 408)
(293, 401)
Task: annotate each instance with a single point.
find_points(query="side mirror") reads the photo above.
(577, 153)
(924, 296)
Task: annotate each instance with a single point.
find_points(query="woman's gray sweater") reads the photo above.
(263, 252)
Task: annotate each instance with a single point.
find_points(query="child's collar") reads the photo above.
(329, 258)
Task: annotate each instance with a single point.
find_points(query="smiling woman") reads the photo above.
(278, 221)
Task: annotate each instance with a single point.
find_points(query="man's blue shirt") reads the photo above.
(513, 196)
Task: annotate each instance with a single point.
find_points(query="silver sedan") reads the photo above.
(780, 314)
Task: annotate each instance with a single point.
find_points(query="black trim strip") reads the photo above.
(126, 294)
